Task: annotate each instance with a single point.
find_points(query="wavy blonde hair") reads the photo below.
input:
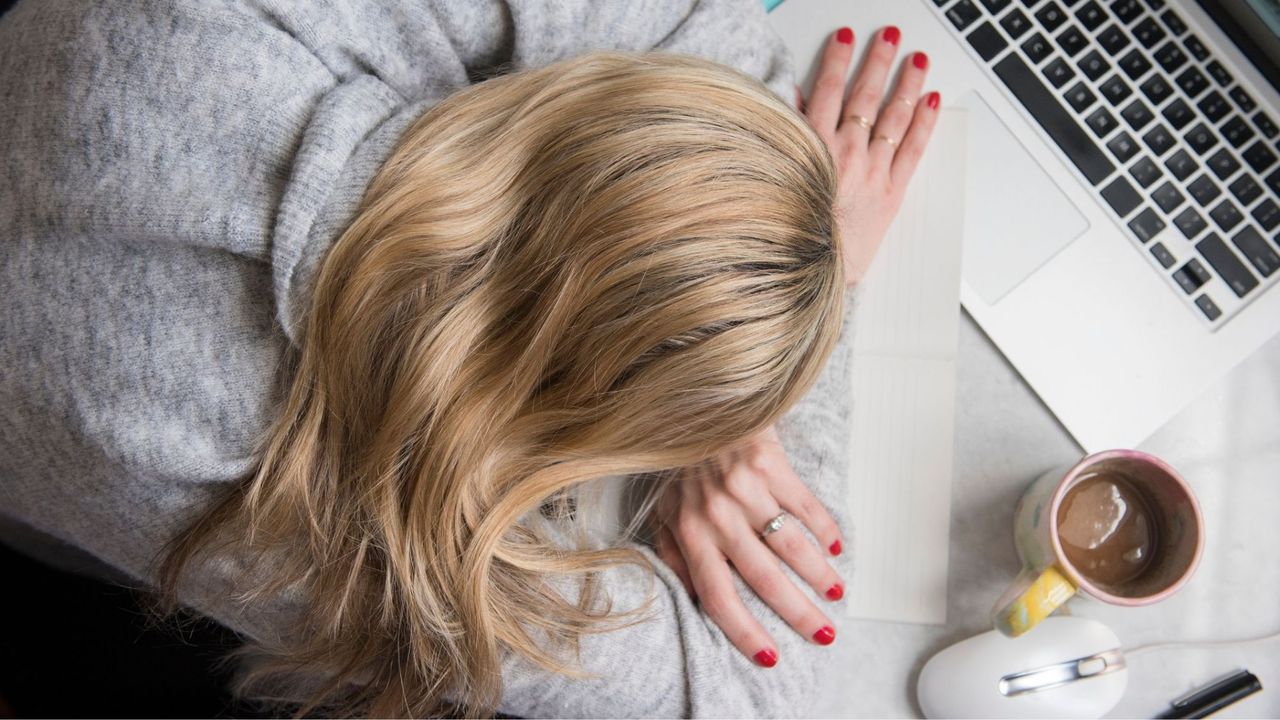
(614, 264)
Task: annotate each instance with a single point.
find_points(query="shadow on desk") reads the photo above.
(76, 647)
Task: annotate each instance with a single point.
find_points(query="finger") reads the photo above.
(719, 599)
(868, 84)
(760, 568)
(799, 100)
(828, 87)
(669, 552)
(796, 498)
(795, 549)
(901, 106)
(916, 140)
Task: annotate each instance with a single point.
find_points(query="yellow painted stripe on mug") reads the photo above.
(1044, 596)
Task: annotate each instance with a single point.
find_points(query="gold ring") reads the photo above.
(886, 138)
(904, 101)
(863, 122)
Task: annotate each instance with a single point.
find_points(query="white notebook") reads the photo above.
(906, 327)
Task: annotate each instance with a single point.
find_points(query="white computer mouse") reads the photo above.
(1065, 667)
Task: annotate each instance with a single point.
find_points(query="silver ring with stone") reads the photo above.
(774, 525)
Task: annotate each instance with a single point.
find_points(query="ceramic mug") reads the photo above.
(1130, 496)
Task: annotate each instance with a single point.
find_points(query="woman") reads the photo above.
(325, 342)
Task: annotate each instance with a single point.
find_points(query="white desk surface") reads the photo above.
(1227, 445)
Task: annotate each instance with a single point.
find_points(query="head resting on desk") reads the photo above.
(615, 264)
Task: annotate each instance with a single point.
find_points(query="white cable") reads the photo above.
(1201, 645)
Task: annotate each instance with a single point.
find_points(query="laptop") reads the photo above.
(1122, 235)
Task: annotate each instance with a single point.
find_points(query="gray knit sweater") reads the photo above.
(171, 174)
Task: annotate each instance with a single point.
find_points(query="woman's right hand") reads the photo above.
(875, 149)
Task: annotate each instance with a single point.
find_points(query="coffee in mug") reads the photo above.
(1121, 526)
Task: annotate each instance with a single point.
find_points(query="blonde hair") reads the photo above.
(615, 264)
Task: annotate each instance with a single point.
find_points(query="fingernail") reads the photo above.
(932, 100)
(767, 658)
(835, 592)
(836, 547)
(920, 60)
(844, 35)
(892, 35)
(825, 635)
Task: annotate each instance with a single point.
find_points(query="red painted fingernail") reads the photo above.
(844, 35)
(767, 658)
(835, 592)
(825, 635)
(920, 60)
(892, 35)
(836, 547)
(933, 99)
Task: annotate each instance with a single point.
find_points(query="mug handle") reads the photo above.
(1032, 597)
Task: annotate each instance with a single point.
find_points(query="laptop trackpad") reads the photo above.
(1016, 218)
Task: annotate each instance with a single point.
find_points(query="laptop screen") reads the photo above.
(1255, 27)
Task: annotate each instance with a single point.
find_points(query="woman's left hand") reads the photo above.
(712, 517)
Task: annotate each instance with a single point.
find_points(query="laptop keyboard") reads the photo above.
(1155, 124)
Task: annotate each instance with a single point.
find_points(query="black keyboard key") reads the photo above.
(1242, 99)
(1113, 39)
(1051, 16)
(1265, 126)
(1273, 181)
(995, 6)
(1170, 56)
(1115, 90)
(1030, 3)
(1101, 121)
(1220, 257)
(1207, 307)
(1145, 172)
(1226, 215)
(1134, 64)
(1123, 146)
(1168, 197)
(988, 41)
(1056, 121)
(1173, 22)
(1267, 214)
(1121, 196)
(1196, 48)
(1201, 138)
(1093, 65)
(1257, 251)
(1189, 223)
(1080, 97)
(1259, 156)
(1037, 48)
(1214, 106)
(1072, 41)
(1148, 32)
(1126, 10)
(1178, 113)
(1091, 15)
(1219, 73)
(1058, 72)
(1191, 276)
(1162, 255)
(1137, 115)
(963, 14)
(1236, 131)
(1015, 22)
(1157, 89)
(1204, 190)
(1192, 81)
(1146, 225)
(1181, 165)
(1223, 164)
(1159, 140)
(1246, 190)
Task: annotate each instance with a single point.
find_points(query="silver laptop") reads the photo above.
(1122, 234)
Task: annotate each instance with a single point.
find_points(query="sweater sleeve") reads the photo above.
(679, 662)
